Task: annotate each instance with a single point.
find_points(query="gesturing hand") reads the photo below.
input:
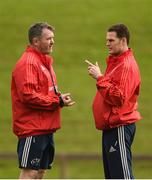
(94, 70)
(67, 99)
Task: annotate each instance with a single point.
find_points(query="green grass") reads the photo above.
(75, 169)
(80, 33)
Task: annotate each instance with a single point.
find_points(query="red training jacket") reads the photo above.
(115, 102)
(35, 105)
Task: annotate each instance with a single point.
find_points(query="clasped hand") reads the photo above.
(67, 99)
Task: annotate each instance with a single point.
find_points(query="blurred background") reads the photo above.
(81, 27)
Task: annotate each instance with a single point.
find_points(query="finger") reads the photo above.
(90, 72)
(97, 64)
(67, 98)
(89, 63)
(71, 103)
(66, 94)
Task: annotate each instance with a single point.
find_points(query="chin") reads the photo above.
(111, 53)
(46, 52)
(49, 51)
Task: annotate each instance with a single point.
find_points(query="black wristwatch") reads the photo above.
(61, 101)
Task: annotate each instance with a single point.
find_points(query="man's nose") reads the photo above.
(107, 43)
(52, 41)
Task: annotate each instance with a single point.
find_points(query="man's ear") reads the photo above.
(124, 40)
(35, 41)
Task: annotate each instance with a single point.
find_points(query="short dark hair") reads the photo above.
(121, 31)
(36, 30)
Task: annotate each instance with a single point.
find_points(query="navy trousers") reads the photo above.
(116, 151)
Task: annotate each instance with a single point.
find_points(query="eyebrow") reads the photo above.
(109, 39)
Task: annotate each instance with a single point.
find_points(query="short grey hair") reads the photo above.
(36, 30)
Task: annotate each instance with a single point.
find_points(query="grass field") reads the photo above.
(76, 170)
(80, 33)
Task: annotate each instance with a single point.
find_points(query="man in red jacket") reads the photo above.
(115, 104)
(36, 103)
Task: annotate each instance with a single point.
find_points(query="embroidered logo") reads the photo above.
(35, 161)
(112, 149)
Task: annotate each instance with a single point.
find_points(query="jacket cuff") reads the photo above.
(100, 78)
(103, 82)
(61, 101)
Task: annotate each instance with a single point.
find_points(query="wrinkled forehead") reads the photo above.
(47, 32)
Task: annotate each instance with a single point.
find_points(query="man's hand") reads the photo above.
(67, 99)
(93, 70)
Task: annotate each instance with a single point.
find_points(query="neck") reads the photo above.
(34, 47)
(125, 49)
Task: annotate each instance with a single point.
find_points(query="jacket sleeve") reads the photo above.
(30, 93)
(117, 92)
(110, 91)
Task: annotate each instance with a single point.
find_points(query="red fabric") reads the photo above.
(35, 105)
(115, 102)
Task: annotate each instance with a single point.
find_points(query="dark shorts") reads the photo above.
(36, 152)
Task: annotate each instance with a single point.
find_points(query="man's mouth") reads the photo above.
(51, 46)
